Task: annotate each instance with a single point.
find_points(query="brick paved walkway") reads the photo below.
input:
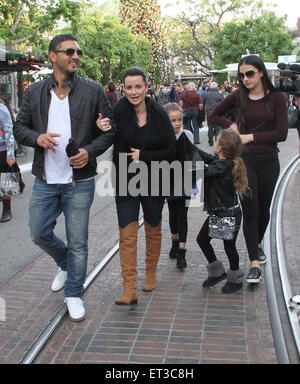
(179, 322)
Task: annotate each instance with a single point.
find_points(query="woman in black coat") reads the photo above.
(143, 134)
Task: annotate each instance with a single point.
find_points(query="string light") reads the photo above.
(144, 18)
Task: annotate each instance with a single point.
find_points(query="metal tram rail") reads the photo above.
(30, 354)
(273, 245)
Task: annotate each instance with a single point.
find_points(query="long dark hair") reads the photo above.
(256, 62)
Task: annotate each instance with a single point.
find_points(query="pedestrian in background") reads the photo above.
(7, 156)
(191, 103)
(261, 121)
(164, 95)
(176, 94)
(112, 94)
(62, 107)
(211, 99)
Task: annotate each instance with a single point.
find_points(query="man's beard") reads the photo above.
(69, 73)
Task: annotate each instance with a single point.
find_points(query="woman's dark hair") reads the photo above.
(135, 71)
(256, 62)
(111, 86)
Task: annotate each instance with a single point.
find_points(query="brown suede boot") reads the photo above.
(153, 245)
(6, 213)
(128, 257)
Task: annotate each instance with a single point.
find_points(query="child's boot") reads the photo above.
(181, 262)
(216, 273)
(174, 249)
(234, 281)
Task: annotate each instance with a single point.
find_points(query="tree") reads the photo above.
(109, 47)
(23, 22)
(265, 35)
(190, 35)
(144, 18)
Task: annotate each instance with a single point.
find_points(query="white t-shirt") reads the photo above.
(57, 164)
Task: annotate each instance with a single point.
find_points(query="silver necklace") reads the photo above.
(60, 93)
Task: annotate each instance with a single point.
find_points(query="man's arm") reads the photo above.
(102, 140)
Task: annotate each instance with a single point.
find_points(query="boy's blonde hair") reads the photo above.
(172, 107)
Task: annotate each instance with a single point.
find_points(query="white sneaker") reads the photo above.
(295, 302)
(59, 281)
(75, 308)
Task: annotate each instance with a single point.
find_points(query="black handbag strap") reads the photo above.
(235, 201)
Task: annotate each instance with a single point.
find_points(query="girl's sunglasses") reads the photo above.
(70, 51)
(249, 74)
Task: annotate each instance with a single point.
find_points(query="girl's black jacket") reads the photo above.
(219, 190)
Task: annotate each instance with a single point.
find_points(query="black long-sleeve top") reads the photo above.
(156, 140)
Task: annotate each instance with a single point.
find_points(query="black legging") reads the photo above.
(262, 171)
(203, 240)
(178, 218)
(128, 209)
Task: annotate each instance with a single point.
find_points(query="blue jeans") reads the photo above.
(192, 119)
(47, 202)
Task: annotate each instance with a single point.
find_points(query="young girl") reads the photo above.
(261, 120)
(225, 176)
(177, 205)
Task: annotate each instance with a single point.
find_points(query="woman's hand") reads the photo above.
(80, 160)
(103, 124)
(247, 138)
(135, 154)
(10, 162)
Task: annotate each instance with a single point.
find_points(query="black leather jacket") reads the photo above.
(86, 99)
(219, 190)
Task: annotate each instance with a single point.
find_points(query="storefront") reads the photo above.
(15, 68)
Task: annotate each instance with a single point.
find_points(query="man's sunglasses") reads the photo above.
(70, 51)
(249, 74)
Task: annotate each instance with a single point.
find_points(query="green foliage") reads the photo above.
(109, 47)
(23, 22)
(191, 33)
(265, 35)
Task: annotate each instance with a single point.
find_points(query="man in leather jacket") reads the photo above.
(53, 111)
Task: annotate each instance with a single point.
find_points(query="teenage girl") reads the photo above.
(178, 205)
(261, 120)
(224, 177)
